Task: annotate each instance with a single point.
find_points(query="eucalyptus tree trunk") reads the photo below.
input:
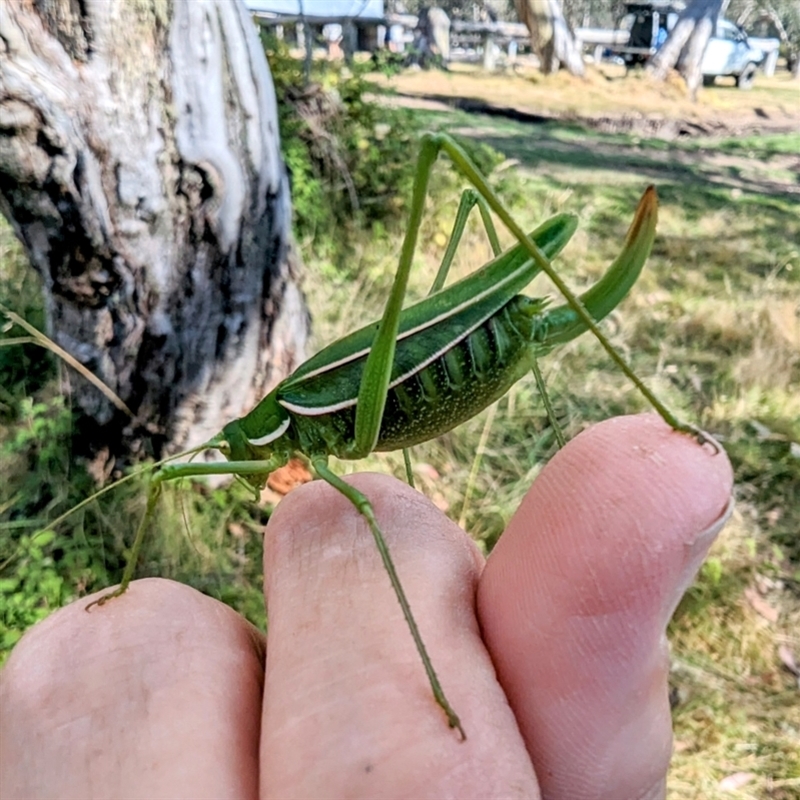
(551, 37)
(686, 44)
(140, 167)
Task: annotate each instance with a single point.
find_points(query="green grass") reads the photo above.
(712, 326)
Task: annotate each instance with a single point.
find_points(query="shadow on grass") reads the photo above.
(564, 146)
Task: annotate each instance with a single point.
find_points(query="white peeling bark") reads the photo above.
(140, 166)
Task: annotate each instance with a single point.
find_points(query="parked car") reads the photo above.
(729, 53)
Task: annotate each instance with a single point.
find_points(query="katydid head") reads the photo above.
(261, 436)
(233, 442)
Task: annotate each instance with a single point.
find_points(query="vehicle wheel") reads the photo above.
(708, 80)
(745, 80)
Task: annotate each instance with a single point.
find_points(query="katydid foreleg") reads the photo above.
(171, 472)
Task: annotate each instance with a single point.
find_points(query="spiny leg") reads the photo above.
(54, 523)
(476, 465)
(432, 144)
(364, 507)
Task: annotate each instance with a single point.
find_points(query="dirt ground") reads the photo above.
(613, 101)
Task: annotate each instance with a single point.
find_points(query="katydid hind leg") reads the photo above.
(364, 507)
(646, 214)
(537, 373)
(469, 199)
(378, 367)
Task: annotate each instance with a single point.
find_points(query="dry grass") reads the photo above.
(607, 91)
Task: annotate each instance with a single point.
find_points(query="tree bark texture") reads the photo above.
(551, 37)
(686, 44)
(140, 166)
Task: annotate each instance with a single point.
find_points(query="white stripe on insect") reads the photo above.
(315, 412)
(405, 334)
(272, 435)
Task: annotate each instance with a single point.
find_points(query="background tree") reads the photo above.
(686, 43)
(551, 37)
(140, 167)
(779, 18)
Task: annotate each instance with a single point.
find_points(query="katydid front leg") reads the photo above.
(171, 472)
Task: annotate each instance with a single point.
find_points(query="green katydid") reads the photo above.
(421, 371)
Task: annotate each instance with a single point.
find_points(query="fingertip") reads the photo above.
(161, 685)
(576, 596)
(633, 471)
(316, 523)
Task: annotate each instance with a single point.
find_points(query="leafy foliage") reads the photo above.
(351, 160)
(347, 156)
(24, 367)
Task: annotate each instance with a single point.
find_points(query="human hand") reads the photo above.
(553, 653)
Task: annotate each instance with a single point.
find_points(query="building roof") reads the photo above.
(362, 9)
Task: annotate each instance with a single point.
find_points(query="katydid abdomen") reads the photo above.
(461, 381)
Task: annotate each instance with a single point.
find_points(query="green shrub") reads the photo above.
(351, 159)
(348, 158)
